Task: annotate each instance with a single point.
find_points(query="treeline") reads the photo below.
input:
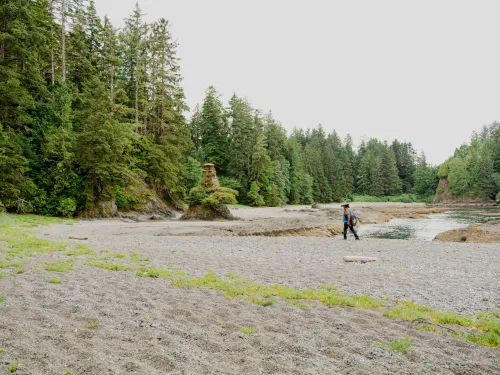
(91, 114)
(254, 155)
(88, 114)
(474, 170)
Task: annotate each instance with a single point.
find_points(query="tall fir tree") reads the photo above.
(214, 131)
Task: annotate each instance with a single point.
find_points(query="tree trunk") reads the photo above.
(52, 53)
(63, 32)
(136, 103)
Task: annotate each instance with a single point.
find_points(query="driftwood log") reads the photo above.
(361, 259)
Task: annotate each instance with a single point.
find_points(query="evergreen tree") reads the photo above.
(301, 183)
(242, 136)
(391, 180)
(363, 181)
(214, 131)
(24, 37)
(275, 137)
(108, 61)
(133, 54)
(13, 165)
(261, 163)
(425, 178)
(102, 144)
(376, 177)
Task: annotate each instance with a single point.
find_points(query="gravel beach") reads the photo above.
(147, 326)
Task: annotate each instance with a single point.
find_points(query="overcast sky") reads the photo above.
(424, 71)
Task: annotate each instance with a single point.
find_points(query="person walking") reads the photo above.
(348, 222)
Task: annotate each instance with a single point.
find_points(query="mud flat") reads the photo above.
(99, 321)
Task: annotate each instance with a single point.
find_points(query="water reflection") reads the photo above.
(420, 229)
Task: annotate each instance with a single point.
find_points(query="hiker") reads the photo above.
(348, 220)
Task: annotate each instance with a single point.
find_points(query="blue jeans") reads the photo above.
(351, 228)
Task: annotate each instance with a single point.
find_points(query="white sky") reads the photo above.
(424, 71)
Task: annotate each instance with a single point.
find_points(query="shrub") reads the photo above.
(67, 207)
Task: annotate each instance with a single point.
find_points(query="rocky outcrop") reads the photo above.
(209, 177)
(208, 199)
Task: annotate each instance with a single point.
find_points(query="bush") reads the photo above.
(67, 207)
(256, 199)
(197, 195)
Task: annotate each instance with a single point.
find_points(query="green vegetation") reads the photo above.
(474, 170)
(329, 288)
(399, 345)
(61, 265)
(1, 352)
(80, 250)
(247, 330)
(487, 325)
(55, 280)
(138, 258)
(2, 298)
(300, 305)
(13, 367)
(108, 265)
(93, 325)
(403, 198)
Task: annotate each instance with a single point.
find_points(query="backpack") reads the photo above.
(354, 219)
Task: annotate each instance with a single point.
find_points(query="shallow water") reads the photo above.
(425, 229)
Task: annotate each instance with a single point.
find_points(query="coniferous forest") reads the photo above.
(92, 114)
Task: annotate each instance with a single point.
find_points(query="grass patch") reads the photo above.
(17, 242)
(13, 367)
(329, 288)
(80, 250)
(485, 298)
(2, 298)
(55, 280)
(3, 275)
(261, 302)
(62, 265)
(487, 325)
(399, 345)
(160, 273)
(247, 330)
(18, 271)
(108, 266)
(1, 352)
(300, 305)
(138, 258)
(93, 325)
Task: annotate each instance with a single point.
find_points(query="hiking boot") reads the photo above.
(345, 238)
(357, 238)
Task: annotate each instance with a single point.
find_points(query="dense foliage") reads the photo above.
(474, 170)
(255, 156)
(88, 114)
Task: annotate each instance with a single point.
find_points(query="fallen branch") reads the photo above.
(361, 259)
(79, 238)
